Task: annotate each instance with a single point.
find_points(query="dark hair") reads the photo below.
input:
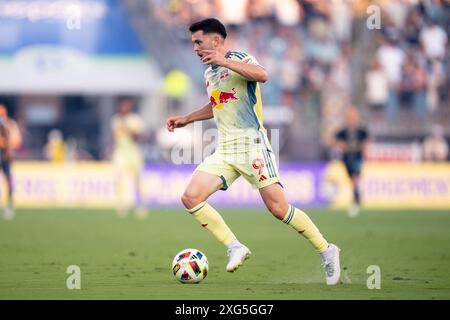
(210, 25)
(125, 98)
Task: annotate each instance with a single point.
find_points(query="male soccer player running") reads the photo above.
(127, 127)
(243, 150)
(10, 139)
(352, 141)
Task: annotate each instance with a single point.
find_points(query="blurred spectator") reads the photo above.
(232, 12)
(127, 128)
(341, 19)
(290, 71)
(436, 78)
(55, 149)
(259, 10)
(434, 9)
(377, 88)
(287, 12)
(10, 140)
(413, 85)
(434, 41)
(414, 23)
(391, 58)
(435, 147)
(73, 153)
(321, 45)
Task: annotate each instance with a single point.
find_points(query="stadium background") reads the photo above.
(320, 55)
(62, 73)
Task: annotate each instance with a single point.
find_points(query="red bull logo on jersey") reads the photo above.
(219, 98)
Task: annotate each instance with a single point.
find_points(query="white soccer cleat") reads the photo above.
(236, 257)
(354, 211)
(332, 265)
(122, 212)
(141, 213)
(8, 213)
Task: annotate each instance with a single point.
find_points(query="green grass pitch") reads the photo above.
(131, 259)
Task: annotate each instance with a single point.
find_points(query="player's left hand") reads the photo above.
(212, 57)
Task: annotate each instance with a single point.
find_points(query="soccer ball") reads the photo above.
(190, 266)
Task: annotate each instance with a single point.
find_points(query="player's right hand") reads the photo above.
(176, 122)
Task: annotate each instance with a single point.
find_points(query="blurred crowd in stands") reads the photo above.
(321, 55)
(307, 48)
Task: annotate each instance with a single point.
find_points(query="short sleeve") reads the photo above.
(364, 135)
(244, 57)
(340, 135)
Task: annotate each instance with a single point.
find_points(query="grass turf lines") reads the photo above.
(131, 259)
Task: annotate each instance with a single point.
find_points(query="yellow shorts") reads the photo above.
(130, 161)
(257, 166)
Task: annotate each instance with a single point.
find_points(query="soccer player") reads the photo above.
(352, 141)
(10, 139)
(232, 82)
(127, 128)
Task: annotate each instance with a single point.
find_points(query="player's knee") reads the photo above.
(277, 209)
(191, 199)
(186, 200)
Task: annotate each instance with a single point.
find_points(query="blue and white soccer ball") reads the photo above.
(190, 266)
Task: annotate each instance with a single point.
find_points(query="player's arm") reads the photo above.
(365, 145)
(249, 71)
(15, 136)
(340, 142)
(201, 114)
(5, 142)
(137, 128)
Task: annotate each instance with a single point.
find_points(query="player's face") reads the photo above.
(3, 112)
(125, 107)
(203, 41)
(352, 118)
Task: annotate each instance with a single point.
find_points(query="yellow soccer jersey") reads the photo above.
(127, 152)
(237, 106)
(124, 128)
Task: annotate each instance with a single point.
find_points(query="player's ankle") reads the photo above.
(234, 244)
(327, 253)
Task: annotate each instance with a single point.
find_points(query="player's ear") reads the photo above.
(216, 40)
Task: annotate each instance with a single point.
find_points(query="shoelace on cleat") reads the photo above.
(329, 269)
